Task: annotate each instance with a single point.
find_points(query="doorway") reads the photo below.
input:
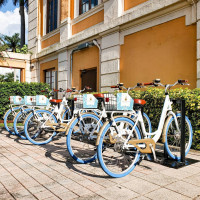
(89, 78)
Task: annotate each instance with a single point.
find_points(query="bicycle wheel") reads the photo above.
(115, 156)
(81, 137)
(173, 136)
(34, 131)
(19, 123)
(9, 118)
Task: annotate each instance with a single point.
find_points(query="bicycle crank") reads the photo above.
(144, 145)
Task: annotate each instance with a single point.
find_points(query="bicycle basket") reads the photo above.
(89, 101)
(30, 100)
(110, 102)
(42, 100)
(124, 102)
(16, 100)
(78, 103)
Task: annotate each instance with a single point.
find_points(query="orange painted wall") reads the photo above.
(72, 9)
(166, 51)
(85, 59)
(18, 64)
(22, 75)
(40, 18)
(53, 64)
(52, 40)
(90, 21)
(63, 9)
(132, 3)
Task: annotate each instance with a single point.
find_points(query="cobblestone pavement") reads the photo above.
(47, 172)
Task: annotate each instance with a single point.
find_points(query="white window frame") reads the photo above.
(45, 17)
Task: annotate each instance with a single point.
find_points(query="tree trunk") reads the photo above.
(22, 23)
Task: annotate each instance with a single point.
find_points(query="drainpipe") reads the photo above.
(97, 44)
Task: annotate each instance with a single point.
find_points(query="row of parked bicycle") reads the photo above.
(107, 126)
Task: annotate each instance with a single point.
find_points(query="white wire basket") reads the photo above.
(119, 102)
(78, 103)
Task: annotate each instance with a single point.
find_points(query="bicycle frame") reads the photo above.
(166, 111)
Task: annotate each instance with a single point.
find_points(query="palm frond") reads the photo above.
(15, 2)
(3, 2)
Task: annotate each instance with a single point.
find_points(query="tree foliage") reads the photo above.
(12, 42)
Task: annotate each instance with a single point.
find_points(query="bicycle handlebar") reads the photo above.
(182, 82)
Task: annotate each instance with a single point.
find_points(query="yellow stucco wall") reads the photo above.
(50, 41)
(72, 9)
(63, 9)
(17, 64)
(166, 51)
(132, 3)
(85, 59)
(90, 21)
(53, 64)
(40, 17)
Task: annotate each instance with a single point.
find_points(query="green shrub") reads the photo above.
(17, 89)
(155, 99)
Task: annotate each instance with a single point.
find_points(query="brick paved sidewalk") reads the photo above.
(47, 172)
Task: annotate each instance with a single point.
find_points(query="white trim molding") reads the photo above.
(87, 14)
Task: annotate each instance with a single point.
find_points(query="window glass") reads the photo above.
(50, 78)
(52, 15)
(86, 5)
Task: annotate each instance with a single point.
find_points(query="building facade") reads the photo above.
(17, 61)
(103, 42)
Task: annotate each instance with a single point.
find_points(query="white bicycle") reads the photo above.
(120, 146)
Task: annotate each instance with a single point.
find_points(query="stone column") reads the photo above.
(198, 44)
(63, 70)
(112, 9)
(28, 71)
(110, 61)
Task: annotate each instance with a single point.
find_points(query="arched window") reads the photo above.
(85, 5)
(52, 15)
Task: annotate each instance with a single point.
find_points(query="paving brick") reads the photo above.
(175, 173)
(48, 172)
(194, 179)
(141, 198)
(117, 192)
(2, 189)
(140, 186)
(6, 196)
(165, 194)
(44, 194)
(28, 197)
(67, 195)
(79, 190)
(182, 187)
(36, 189)
(90, 197)
(20, 193)
(159, 179)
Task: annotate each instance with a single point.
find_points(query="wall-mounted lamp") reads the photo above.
(32, 67)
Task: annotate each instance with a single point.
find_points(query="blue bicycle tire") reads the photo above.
(167, 148)
(69, 134)
(101, 146)
(31, 138)
(5, 120)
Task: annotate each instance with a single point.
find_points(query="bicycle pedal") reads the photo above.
(140, 160)
(160, 161)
